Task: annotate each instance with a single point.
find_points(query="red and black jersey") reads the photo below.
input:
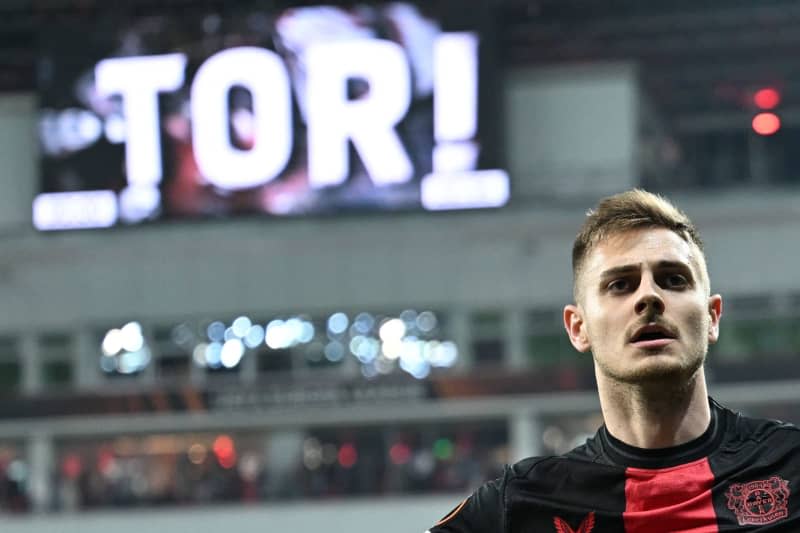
(741, 474)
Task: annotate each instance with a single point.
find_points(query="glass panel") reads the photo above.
(274, 361)
(488, 345)
(55, 350)
(57, 372)
(487, 324)
(172, 350)
(10, 373)
(488, 351)
(551, 349)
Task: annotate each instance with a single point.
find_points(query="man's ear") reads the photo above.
(715, 313)
(576, 328)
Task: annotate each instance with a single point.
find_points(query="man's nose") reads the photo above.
(649, 300)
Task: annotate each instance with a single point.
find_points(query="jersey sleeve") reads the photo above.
(482, 512)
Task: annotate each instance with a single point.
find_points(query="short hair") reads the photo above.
(626, 211)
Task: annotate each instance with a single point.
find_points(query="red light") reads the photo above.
(225, 451)
(767, 98)
(71, 466)
(347, 455)
(400, 453)
(106, 462)
(766, 123)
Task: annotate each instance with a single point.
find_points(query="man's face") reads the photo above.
(644, 309)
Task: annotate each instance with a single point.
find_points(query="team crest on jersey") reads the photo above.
(586, 526)
(759, 502)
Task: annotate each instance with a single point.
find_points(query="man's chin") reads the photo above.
(660, 375)
(657, 370)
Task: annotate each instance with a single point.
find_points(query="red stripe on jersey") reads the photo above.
(670, 499)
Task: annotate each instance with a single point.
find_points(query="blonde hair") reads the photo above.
(626, 211)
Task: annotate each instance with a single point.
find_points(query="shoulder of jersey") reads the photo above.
(760, 429)
(551, 464)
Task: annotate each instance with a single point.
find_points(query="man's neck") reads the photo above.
(655, 415)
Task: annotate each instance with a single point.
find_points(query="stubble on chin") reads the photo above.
(658, 386)
(658, 372)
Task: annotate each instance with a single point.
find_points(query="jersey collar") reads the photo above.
(630, 456)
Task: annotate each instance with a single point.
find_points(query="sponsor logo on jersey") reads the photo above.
(759, 502)
(587, 525)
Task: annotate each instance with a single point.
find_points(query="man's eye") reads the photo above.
(618, 285)
(675, 281)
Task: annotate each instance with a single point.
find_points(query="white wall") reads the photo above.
(504, 259)
(19, 172)
(572, 129)
(406, 515)
(381, 263)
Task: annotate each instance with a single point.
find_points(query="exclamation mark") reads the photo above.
(454, 182)
(455, 102)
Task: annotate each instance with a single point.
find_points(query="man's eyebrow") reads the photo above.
(673, 265)
(619, 271)
(628, 269)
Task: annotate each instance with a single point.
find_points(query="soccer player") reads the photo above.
(668, 458)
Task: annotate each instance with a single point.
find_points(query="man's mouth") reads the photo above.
(652, 336)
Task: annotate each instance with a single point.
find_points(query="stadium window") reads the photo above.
(172, 360)
(56, 355)
(547, 343)
(317, 354)
(274, 361)
(10, 369)
(488, 339)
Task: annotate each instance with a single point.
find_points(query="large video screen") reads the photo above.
(300, 111)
